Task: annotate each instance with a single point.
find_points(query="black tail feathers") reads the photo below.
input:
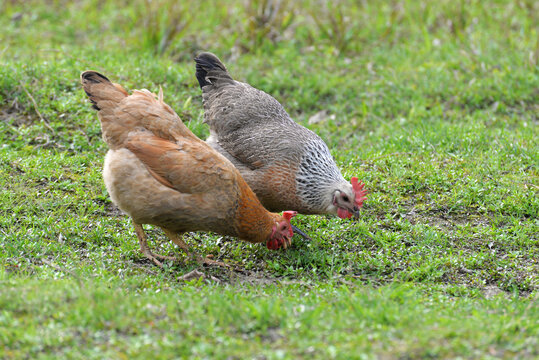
(209, 66)
(94, 77)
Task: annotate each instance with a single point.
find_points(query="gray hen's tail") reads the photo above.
(209, 70)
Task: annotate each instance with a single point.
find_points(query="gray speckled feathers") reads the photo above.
(287, 165)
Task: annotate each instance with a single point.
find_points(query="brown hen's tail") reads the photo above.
(210, 70)
(102, 93)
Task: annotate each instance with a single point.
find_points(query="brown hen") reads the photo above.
(160, 173)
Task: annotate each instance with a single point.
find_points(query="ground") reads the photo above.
(434, 107)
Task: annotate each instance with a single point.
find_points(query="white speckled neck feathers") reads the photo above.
(318, 177)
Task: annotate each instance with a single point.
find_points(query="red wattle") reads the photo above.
(272, 244)
(343, 214)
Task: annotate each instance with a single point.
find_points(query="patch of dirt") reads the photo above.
(491, 291)
(231, 275)
(440, 218)
(13, 114)
(110, 209)
(113, 210)
(209, 273)
(242, 276)
(272, 335)
(196, 275)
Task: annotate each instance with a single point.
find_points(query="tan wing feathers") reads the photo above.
(185, 166)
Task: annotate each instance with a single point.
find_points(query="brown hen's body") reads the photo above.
(287, 165)
(160, 173)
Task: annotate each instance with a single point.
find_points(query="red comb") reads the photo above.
(289, 215)
(361, 194)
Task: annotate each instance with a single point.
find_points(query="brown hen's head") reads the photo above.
(281, 234)
(349, 201)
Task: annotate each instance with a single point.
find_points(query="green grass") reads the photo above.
(434, 107)
(61, 318)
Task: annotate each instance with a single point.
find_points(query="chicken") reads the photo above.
(158, 172)
(287, 165)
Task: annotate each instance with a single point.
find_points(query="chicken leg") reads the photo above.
(146, 249)
(177, 239)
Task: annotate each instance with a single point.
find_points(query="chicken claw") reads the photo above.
(145, 248)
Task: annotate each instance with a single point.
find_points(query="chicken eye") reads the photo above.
(283, 227)
(345, 198)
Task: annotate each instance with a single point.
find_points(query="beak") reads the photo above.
(356, 212)
(287, 242)
(300, 233)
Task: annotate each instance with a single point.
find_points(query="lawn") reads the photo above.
(434, 105)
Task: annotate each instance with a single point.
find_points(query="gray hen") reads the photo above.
(287, 165)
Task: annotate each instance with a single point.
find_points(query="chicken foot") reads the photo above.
(145, 249)
(177, 239)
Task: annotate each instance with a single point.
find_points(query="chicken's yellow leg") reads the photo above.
(146, 249)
